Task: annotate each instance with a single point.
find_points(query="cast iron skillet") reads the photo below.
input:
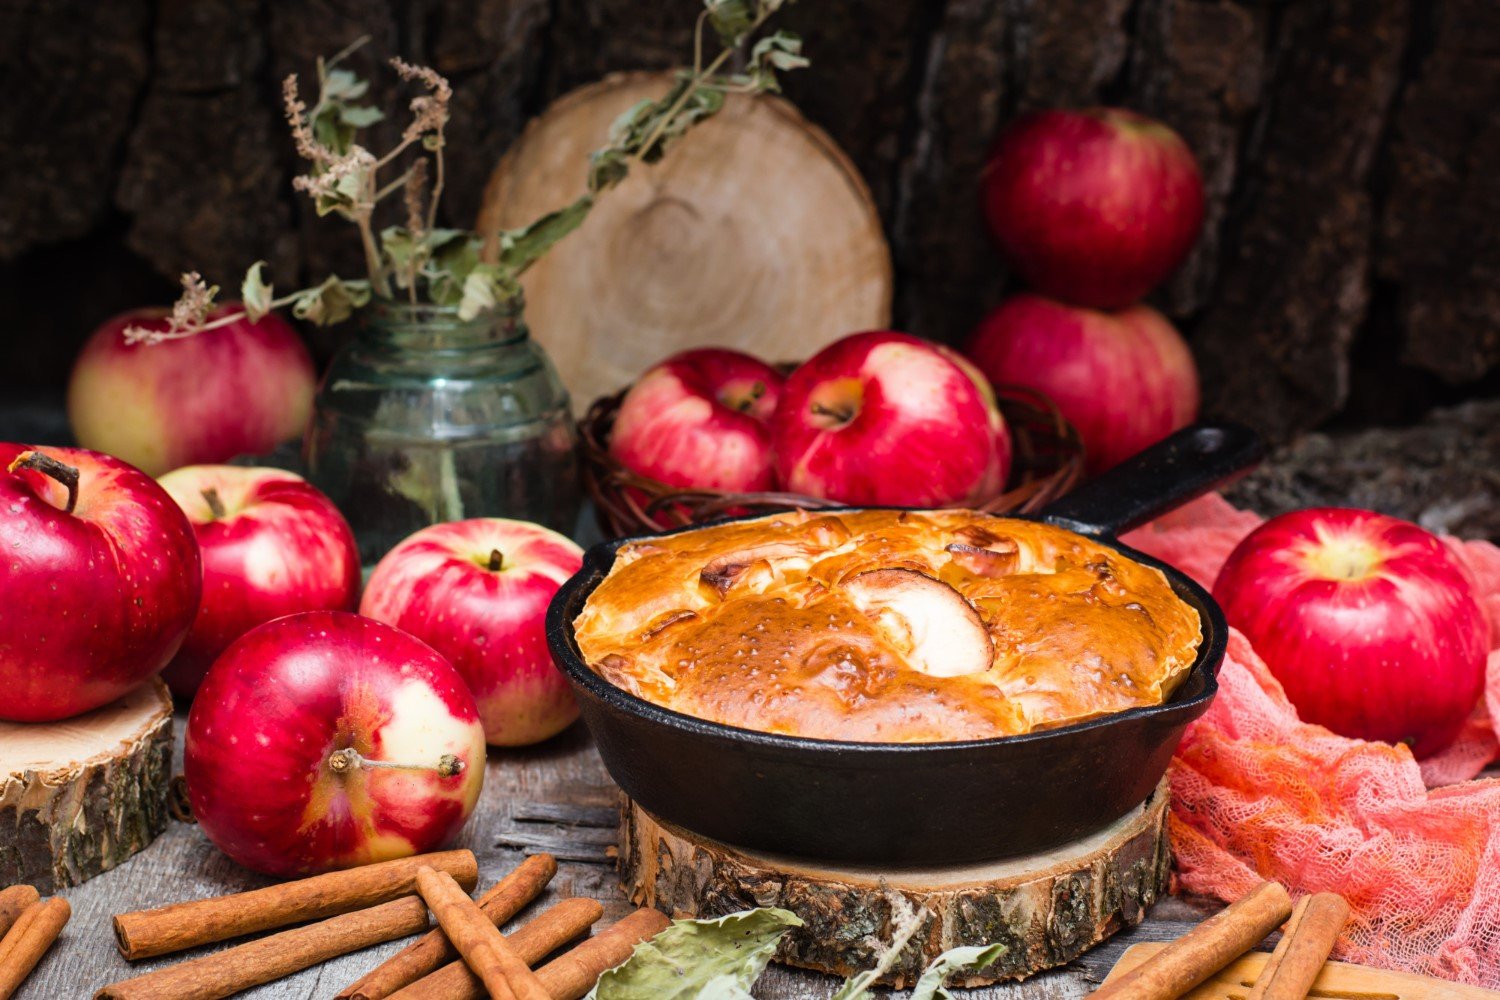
(921, 803)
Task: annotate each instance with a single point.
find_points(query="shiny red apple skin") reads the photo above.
(1095, 206)
(237, 390)
(288, 696)
(1368, 622)
(700, 419)
(1123, 379)
(883, 417)
(92, 603)
(277, 547)
(489, 623)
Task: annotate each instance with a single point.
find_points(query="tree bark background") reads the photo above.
(1349, 270)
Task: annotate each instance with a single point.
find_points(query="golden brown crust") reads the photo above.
(770, 625)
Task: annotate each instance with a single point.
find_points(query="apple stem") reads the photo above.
(51, 467)
(215, 505)
(496, 560)
(842, 416)
(350, 759)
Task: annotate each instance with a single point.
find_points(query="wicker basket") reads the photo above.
(1047, 462)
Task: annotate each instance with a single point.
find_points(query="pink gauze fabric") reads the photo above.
(1259, 794)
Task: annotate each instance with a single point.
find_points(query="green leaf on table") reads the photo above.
(952, 962)
(710, 959)
(331, 302)
(255, 293)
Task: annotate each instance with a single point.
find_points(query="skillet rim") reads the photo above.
(563, 644)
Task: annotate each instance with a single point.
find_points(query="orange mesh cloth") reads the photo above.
(1257, 793)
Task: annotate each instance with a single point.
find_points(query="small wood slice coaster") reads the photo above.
(754, 232)
(81, 795)
(1046, 908)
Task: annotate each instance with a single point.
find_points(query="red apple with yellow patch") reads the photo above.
(238, 389)
(327, 740)
(477, 591)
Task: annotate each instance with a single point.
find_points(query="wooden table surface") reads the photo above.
(556, 798)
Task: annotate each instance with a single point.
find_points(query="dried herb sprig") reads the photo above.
(456, 267)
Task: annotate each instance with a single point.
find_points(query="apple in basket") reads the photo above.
(887, 418)
(700, 419)
(326, 740)
(1095, 206)
(242, 388)
(1123, 379)
(477, 591)
(1369, 623)
(99, 579)
(272, 545)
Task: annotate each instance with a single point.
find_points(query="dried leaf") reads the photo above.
(520, 248)
(951, 962)
(719, 959)
(256, 293)
(486, 286)
(331, 302)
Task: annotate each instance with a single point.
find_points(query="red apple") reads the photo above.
(1095, 206)
(325, 740)
(238, 389)
(272, 545)
(1124, 379)
(886, 418)
(477, 591)
(700, 419)
(1369, 623)
(99, 579)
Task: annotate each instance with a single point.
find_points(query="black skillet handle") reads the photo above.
(1165, 476)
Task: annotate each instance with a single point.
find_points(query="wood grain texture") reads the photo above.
(716, 244)
(1046, 908)
(565, 774)
(80, 797)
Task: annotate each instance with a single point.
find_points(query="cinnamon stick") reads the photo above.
(534, 941)
(569, 977)
(1305, 945)
(27, 941)
(15, 901)
(227, 972)
(432, 951)
(483, 947)
(147, 933)
(572, 975)
(1204, 950)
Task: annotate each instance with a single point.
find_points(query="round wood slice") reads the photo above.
(753, 232)
(82, 795)
(1046, 908)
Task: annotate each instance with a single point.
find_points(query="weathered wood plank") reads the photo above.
(547, 786)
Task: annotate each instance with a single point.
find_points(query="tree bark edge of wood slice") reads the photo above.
(1047, 909)
(755, 232)
(82, 795)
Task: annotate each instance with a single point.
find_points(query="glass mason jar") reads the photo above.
(423, 418)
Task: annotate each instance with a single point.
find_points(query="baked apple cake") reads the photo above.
(888, 626)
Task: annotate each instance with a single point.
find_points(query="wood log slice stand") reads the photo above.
(754, 232)
(82, 795)
(1046, 908)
